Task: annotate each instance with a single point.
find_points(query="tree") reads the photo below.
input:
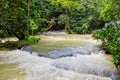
(111, 11)
(33, 26)
(110, 37)
(13, 18)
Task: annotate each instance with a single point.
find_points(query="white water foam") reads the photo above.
(68, 38)
(89, 64)
(93, 67)
(72, 51)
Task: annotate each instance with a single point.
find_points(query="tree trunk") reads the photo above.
(28, 14)
(32, 32)
(19, 35)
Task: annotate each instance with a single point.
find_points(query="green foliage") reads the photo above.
(33, 26)
(13, 18)
(63, 19)
(83, 15)
(23, 17)
(111, 10)
(110, 37)
(33, 38)
(3, 34)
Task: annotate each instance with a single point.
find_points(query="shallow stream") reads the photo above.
(59, 57)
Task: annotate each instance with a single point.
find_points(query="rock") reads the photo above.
(27, 49)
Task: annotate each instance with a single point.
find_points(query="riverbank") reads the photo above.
(13, 43)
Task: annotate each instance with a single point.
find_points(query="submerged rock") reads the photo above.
(27, 49)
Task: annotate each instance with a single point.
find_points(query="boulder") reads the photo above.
(27, 49)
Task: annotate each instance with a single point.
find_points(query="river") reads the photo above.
(59, 56)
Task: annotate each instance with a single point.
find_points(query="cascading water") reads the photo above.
(66, 58)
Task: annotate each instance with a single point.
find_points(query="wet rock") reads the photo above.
(58, 54)
(27, 49)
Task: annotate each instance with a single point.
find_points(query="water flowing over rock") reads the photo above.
(59, 57)
(67, 68)
(27, 49)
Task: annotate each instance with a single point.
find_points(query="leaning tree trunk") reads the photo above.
(20, 35)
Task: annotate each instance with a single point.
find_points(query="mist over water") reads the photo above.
(62, 59)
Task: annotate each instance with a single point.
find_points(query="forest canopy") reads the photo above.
(74, 16)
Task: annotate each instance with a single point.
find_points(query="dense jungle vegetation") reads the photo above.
(22, 18)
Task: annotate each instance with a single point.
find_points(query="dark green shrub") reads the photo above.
(9, 45)
(110, 37)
